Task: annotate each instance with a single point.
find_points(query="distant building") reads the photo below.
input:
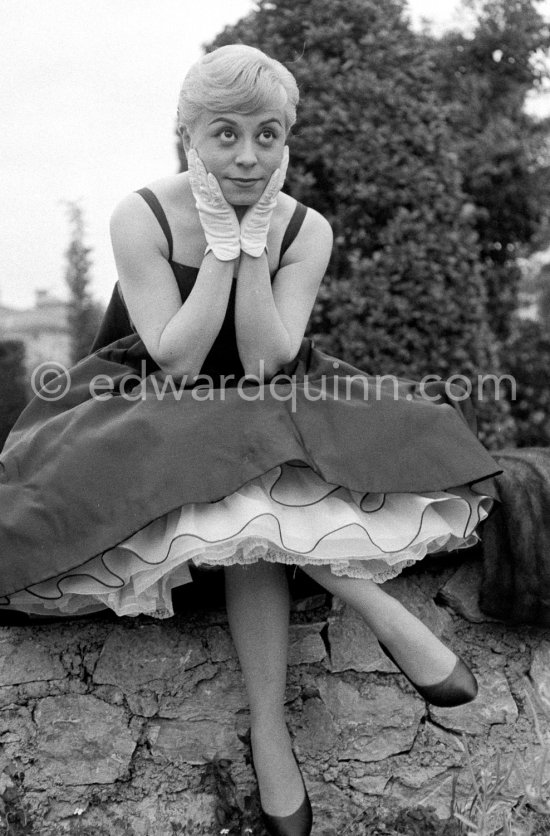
(43, 329)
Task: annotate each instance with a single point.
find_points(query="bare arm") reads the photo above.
(178, 337)
(270, 320)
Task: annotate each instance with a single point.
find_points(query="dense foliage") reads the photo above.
(84, 314)
(418, 151)
(372, 151)
(13, 393)
(526, 356)
(484, 78)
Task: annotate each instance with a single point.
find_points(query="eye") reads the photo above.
(226, 134)
(267, 136)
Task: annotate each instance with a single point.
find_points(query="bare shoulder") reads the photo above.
(313, 241)
(133, 222)
(165, 189)
(316, 224)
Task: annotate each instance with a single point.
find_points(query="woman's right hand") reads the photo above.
(218, 219)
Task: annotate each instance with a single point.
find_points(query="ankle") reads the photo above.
(268, 724)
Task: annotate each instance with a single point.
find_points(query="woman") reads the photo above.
(179, 441)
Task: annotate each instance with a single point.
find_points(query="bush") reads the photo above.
(13, 395)
(526, 357)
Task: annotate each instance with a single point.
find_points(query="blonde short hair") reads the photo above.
(236, 78)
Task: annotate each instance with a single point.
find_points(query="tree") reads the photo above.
(372, 152)
(484, 78)
(13, 393)
(526, 356)
(84, 313)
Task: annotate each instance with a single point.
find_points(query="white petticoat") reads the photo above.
(287, 515)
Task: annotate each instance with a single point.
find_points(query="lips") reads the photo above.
(244, 181)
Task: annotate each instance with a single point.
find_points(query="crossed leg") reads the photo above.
(420, 654)
(257, 600)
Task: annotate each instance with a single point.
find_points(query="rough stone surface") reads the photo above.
(540, 672)
(26, 658)
(376, 721)
(220, 646)
(318, 732)
(353, 645)
(81, 740)
(493, 705)
(411, 592)
(147, 654)
(194, 741)
(305, 644)
(120, 727)
(461, 592)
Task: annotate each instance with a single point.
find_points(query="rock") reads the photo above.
(144, 703)
(409, 591)
(312, 602)
(438, 795)
(332, 808)
(370, 784)
(374, 724)
(80, 740)
(352, 643)
(141, 655)
(24, 657)
(494, 704)
(16, 730)
(194, 741)
(186, 813)
(364, 740)
(540, 672)
(415, 776)
(317, 733)
(221, 696)
(220, 644)
(305, 643)
(461, 592)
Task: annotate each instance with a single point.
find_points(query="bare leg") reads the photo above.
(420, 654)
(257, 600)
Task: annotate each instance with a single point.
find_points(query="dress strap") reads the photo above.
(159, 213)
(293, 227)
(291, 231)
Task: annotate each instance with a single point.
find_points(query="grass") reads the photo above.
(13, 817)
(511, 799)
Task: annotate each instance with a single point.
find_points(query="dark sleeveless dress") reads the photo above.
(112, 488)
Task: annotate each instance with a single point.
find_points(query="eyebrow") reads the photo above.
(229, 121)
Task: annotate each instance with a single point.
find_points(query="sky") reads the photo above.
(87, 108)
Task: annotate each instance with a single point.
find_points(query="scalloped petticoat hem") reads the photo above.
(288, 515)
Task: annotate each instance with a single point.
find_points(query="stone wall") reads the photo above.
(113, 726)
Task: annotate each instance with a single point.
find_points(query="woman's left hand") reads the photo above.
(255, 223)
(217, 217)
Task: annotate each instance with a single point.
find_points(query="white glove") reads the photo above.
(255, 223)
(217, 217)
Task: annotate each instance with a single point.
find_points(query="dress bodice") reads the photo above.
(223, 357)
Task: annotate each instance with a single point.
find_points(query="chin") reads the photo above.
(242, 200)
(245, 201)
(243, 197)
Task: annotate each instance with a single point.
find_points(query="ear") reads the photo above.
(185, 138)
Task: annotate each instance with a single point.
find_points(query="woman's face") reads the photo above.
(241, 151)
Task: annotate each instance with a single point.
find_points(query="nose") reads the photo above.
(246, 153)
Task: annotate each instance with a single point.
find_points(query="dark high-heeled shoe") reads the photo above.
(458, 688)
(298, 823)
